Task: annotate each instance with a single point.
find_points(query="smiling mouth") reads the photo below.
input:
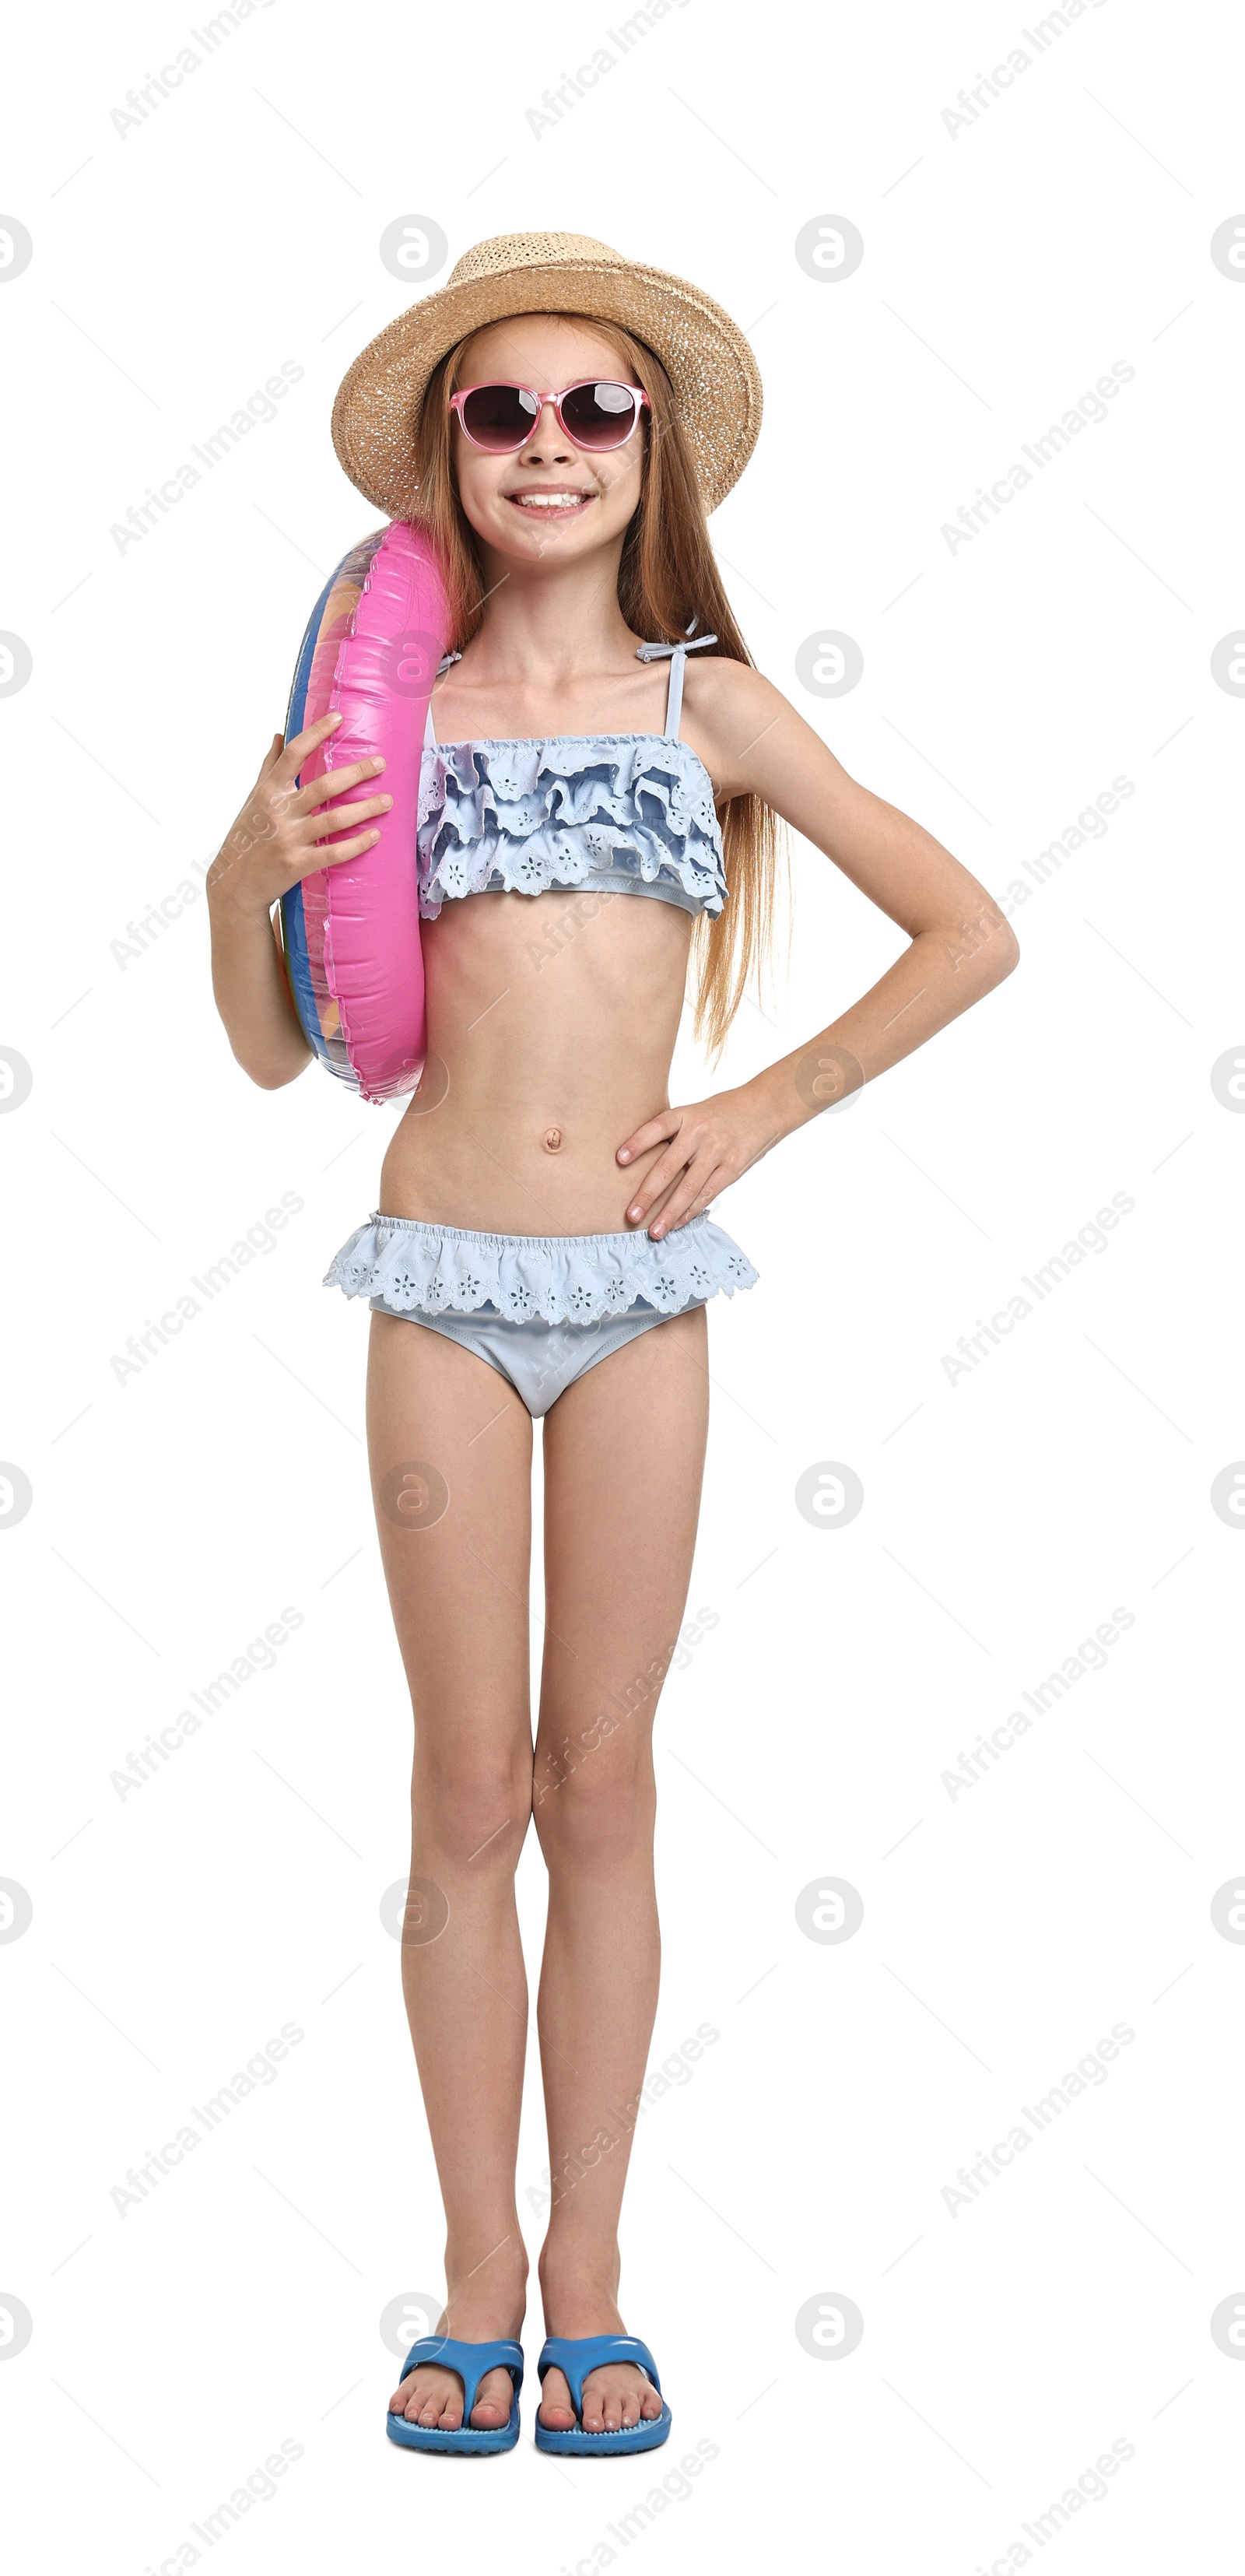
(561, 504)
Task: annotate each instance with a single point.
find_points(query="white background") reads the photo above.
(1006, 1930)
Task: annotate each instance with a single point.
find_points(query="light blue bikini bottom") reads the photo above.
(540, 1309)
(540, 1360)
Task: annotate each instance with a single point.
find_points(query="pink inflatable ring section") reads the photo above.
(350, 934)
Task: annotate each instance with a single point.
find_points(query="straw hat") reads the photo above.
(710, 365)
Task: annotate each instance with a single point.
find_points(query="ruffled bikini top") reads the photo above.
(621, 813)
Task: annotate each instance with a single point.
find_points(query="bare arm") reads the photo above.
(960, 944)
(274, 841)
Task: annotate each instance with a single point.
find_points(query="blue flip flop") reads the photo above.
(575, 2356)
(471, 2361)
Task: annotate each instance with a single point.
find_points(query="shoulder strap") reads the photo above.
(430, 739)
(678, 657)
(674, 694)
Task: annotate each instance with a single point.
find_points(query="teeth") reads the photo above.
(550, 500)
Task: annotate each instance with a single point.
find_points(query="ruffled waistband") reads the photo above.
(561, 1278)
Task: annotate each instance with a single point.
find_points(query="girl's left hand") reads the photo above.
(708, 1146)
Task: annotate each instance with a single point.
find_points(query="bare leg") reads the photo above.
(458, 1585)
(624, 1458)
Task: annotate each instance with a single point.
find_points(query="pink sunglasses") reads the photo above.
(594, 415)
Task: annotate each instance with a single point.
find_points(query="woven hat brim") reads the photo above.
(716, 379)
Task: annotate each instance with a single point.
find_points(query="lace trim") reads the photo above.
(572, 1278)
(522, 817)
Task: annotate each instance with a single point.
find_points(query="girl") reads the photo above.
(560, 420)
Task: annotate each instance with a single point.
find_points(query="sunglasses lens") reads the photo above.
(498, 417)
(599, 415)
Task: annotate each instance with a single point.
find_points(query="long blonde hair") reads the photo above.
(667, 577)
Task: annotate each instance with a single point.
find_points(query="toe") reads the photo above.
(650, 2402)
(594, 2406)
(492, 2406)
(411, 2397)
(555, 2404)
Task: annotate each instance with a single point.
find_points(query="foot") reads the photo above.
(432, 2395)
(617, 2394)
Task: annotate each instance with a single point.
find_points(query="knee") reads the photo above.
(473, 1800)
(592, 1804)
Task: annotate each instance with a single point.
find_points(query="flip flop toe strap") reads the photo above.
(472, 2361)
(576, 2355)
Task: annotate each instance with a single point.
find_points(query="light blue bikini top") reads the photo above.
(625, 813)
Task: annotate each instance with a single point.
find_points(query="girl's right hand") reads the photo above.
(276, 839)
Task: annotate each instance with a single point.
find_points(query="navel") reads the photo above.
(553, 1139)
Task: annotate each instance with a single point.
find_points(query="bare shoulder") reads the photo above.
(727, 708)
(714, 686)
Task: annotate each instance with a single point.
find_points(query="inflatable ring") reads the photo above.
(350, 934)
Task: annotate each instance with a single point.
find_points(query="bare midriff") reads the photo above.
(551, 1026)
